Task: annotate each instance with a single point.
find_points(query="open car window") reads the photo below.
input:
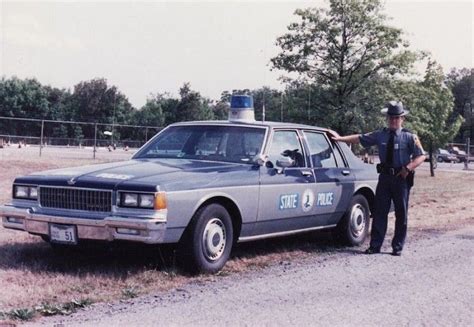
(217, 143)
(286, 144)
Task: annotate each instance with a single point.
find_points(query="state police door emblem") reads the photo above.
(307, 200)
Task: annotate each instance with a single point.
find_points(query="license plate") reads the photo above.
(65, 234)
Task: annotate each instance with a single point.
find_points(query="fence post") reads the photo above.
(146, 134)
(95, 139)
(41, 140)
(468, 153)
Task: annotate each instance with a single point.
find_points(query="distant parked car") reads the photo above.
(443, 155)
(460, 154)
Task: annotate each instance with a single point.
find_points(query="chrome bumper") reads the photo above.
(151, 231)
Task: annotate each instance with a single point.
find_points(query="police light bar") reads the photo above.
(241, 108)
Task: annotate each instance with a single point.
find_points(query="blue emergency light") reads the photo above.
(241, 108)
(241, 102)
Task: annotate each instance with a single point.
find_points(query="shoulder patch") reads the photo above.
(417, 140)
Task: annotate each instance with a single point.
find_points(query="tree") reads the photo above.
(192, 106)
(461, 83)
(271, 99)
(96, 102)
(24, 99)
(220, 110)
(341, 50)
(431, 109)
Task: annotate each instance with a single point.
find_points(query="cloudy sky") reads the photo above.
(151, 47)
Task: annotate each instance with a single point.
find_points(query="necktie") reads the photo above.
(389, 157)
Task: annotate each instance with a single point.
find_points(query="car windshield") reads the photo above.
(206, 142)
(441, 151)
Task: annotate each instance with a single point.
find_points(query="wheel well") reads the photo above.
(369, 195)
(233, 210)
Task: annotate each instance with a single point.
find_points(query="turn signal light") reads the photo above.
(160, 201)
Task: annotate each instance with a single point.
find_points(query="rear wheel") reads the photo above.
(206, 245)
(354, 225)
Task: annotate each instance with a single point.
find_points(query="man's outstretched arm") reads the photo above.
(354, 138)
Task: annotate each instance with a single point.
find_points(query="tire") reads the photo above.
(207, 242)
(353, 228)
(439, 159)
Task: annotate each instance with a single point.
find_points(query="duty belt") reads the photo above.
(390, 171)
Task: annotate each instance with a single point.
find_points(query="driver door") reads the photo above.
(286, 198)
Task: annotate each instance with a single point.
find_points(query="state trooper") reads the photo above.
(400, 152)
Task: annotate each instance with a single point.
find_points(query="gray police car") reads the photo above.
(206, 186)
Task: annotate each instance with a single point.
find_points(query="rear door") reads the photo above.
(334, 180)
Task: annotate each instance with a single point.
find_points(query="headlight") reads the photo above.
(129, 200)
(25, 192)
(21, 192)
(155, 201)
(34, 193)
(146, 200)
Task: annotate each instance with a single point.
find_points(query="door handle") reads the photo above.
(306, 173)
(345, 172)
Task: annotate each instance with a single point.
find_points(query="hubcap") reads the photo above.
(214, 239)
(358, 220)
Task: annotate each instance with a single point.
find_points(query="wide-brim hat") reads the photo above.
(394, 108)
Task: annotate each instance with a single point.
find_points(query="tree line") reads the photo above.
(341, 64)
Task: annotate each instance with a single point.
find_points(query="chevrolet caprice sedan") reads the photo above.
(205, 186)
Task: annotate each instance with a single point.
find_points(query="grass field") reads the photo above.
(32, 274)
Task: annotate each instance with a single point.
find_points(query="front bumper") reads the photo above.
(151, 231)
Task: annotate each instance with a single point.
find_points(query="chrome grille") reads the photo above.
(75, 199)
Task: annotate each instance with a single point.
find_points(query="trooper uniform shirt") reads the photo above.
(406, 145)
(391, 186)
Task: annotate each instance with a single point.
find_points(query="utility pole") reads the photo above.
(309, 103)
(42, 133)
(281, 106)
(113, 121)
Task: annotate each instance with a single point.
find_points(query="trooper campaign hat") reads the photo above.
(394, 108)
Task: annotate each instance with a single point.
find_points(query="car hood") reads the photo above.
(139, 174)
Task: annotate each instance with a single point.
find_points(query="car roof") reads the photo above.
(270, 124)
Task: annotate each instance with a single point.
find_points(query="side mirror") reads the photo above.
(285, 162)
(260, 159)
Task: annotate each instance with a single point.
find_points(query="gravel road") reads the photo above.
(431, 284)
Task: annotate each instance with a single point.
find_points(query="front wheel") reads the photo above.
(207, 243)
(354, 225)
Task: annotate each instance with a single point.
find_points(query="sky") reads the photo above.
(154, 47)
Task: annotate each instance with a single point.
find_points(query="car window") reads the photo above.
(338, 155)
(218, 143)
(320, 150)
(286, 144)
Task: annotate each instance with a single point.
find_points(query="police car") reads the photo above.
(204, 185)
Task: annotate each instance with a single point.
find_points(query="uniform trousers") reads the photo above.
(390, 188)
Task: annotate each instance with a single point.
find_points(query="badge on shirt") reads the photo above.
(395, 146)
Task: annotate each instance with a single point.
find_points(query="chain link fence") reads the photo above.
(59, 137)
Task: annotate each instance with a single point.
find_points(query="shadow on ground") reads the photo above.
(119, 259)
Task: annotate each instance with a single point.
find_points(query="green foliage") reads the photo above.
(342, 51)
(130, 292)
(48, 309)
(23, 314)
(461, 84)
(431, 107)
(192, 106)
(221, 110)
